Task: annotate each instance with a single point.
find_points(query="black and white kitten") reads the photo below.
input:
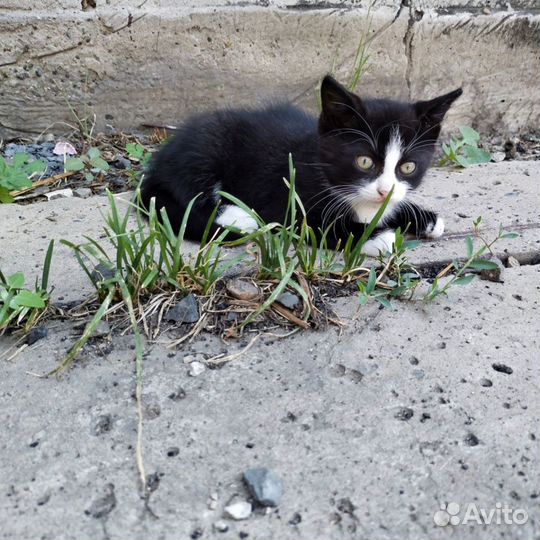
(346, 163)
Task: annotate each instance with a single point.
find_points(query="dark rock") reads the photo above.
(295, 519)
(117, 182)
(103, 424)
(178, 394)
(173, 451)
(104, 505)
(288, 300)
(122, 163)
(486, 383)
(82, 193)
(502, 368)
(152, 481)
(471, 439)
(496, 275)
(196, 534)
(101, 272)
(264, 485)
(404, 413)
(37, 333)
(185, 311)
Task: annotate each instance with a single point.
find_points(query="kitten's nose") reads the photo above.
(382, 192)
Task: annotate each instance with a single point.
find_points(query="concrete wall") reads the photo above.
(132, 61)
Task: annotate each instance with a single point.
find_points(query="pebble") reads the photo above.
(103, 505)
(404, 413)
(221, 526)
(122, 163)
(264, 485)
(497, 157)
(37, 333)
(502, 368)
(496, 275)
(486, 383)
(185, 311)
(238, 510)
(242, 289)
(102, 272)
(471, 439)
(103, 424)
(288, 300)
(102, 329)
(196, 368)
(59, 194)
(189, 358)
(513, 262)
(82, 193)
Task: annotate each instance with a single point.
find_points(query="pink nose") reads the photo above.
(382, 192)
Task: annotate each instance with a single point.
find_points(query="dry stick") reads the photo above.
(44, 182)
(290, 316)
(220, 359)
(444, 271)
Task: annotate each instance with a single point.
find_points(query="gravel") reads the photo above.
(264, 485)
(185, 311)
(238, 510)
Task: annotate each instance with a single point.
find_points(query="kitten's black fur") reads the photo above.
(245, 153)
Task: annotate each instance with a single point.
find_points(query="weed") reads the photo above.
(20, 306)
(91, 163)
(17, 175)
(464, 152)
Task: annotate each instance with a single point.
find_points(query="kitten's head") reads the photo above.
(370, 146)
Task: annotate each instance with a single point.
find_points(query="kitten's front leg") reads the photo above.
(382, 243)
(420, 222)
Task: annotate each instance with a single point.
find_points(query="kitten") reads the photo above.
(346, 163)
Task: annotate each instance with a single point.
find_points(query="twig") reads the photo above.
(44, 182)
(220, 359)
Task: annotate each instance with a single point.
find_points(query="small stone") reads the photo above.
(103, 424)
(189, 358)
(238, 510)
(122, 163)
(486, 383)
(196, 534)
(212, 505)
(502, 368)
(512, 262)
(196, 368)
(288, 300)
(471, 439)
(496, 274)
(82, 193)
(265, 486)
(295, 519)
(185, 311)
(497, 157)
(404, 413)
(37, 333)
(242, 289)
(414, 361)
(178, 394)
(221, 526)
(44, 499)
(173, 451)
(101, 272)
(102, 329)
(103, 505)
(59, 194)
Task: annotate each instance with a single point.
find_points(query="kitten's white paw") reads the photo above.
(435, 230)
(380, 244)
(233, 216)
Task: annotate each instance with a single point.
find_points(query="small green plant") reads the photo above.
(19, 305)
(17, 175)
(138, 153)
(464, 152)
(91, 163)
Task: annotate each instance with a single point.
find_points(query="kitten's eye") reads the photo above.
(364, 162)
(408, 167)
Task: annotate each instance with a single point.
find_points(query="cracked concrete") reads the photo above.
(371, 428)
(156, 62)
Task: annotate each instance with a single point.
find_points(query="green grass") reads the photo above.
(464, 151)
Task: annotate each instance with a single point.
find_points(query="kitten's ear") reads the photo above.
(433, 111)
(340, 108)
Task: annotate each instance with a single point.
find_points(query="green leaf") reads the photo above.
(19, 160)
(476, 155)
(5, 197)
(99, 163)
(463, 161)
(464, 280)
(470, 136)
(370, 287)
(411, 244)
(93, 153)
(483, 264)
(510, 235)
(74, 164)
(384, 301)
(16, 281)
(29, 299)
(89, 177)
(470, 247)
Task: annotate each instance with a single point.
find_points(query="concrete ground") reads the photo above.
(371, 429)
